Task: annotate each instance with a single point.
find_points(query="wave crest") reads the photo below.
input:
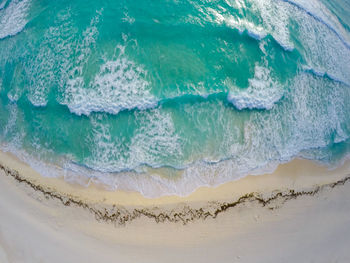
(119, 85)
(263, 92)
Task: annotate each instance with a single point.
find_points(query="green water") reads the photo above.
(165, 96)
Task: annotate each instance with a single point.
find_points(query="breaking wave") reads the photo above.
(127, 96)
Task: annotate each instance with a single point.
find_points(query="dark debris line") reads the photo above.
(121, 216)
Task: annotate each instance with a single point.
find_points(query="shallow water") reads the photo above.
(165, 96)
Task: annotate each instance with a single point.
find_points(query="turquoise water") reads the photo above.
(165, 96)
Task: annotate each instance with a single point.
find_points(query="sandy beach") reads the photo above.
(175, 131)
(300, 213)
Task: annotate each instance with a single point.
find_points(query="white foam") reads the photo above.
(41, 83)
(322, 109)
(16, 84)
(275, 18)
(10, 125)
(314, 112)
(83, 50)
(13, 18)
(263, 92)
(154, 141)
(317, 9)
(323, 40)
(51, 64)
(314, 115)
(13, 96)
(324, 43)
(12, 132)
(127, 18)
(254, 31)
(2, 4)
(222, 17)
(322, 49)
(107, 153)
(119, 85)
(152, 183)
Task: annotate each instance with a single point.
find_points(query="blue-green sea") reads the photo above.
(165, 96)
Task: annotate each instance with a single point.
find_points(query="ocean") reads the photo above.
(163, 97)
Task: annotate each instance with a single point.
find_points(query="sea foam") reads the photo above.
(224, 107)
(263, 92)
(2, 4)
(154, 141)
(119, 85)
(13, 18)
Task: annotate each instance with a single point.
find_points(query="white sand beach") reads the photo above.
(300, 213)
(175, 131)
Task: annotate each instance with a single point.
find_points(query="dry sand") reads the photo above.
(300, 213)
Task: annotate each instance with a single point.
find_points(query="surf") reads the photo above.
(123, 94)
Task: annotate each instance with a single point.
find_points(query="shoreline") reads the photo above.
(289, 181)
(300, 213)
